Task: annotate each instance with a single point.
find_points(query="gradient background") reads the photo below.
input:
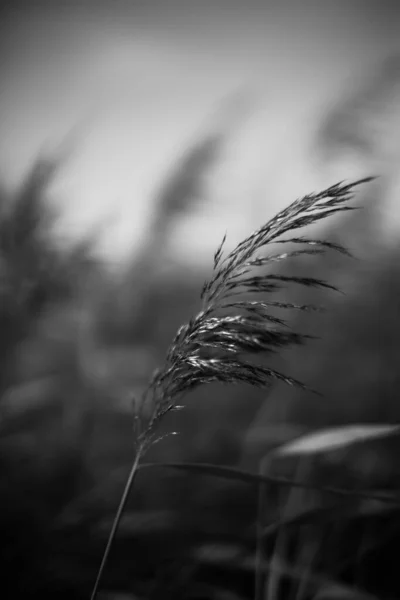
(136, 82)
(181, 121)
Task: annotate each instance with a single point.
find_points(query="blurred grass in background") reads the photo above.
(78, 339)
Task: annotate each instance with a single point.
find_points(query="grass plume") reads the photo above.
(218, 346)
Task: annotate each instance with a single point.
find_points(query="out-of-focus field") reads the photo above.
(79, 340)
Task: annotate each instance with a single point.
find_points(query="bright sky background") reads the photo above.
(144, 78)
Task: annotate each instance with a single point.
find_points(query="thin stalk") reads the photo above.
(117, 519)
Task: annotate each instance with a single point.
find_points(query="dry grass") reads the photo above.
(215, 347)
